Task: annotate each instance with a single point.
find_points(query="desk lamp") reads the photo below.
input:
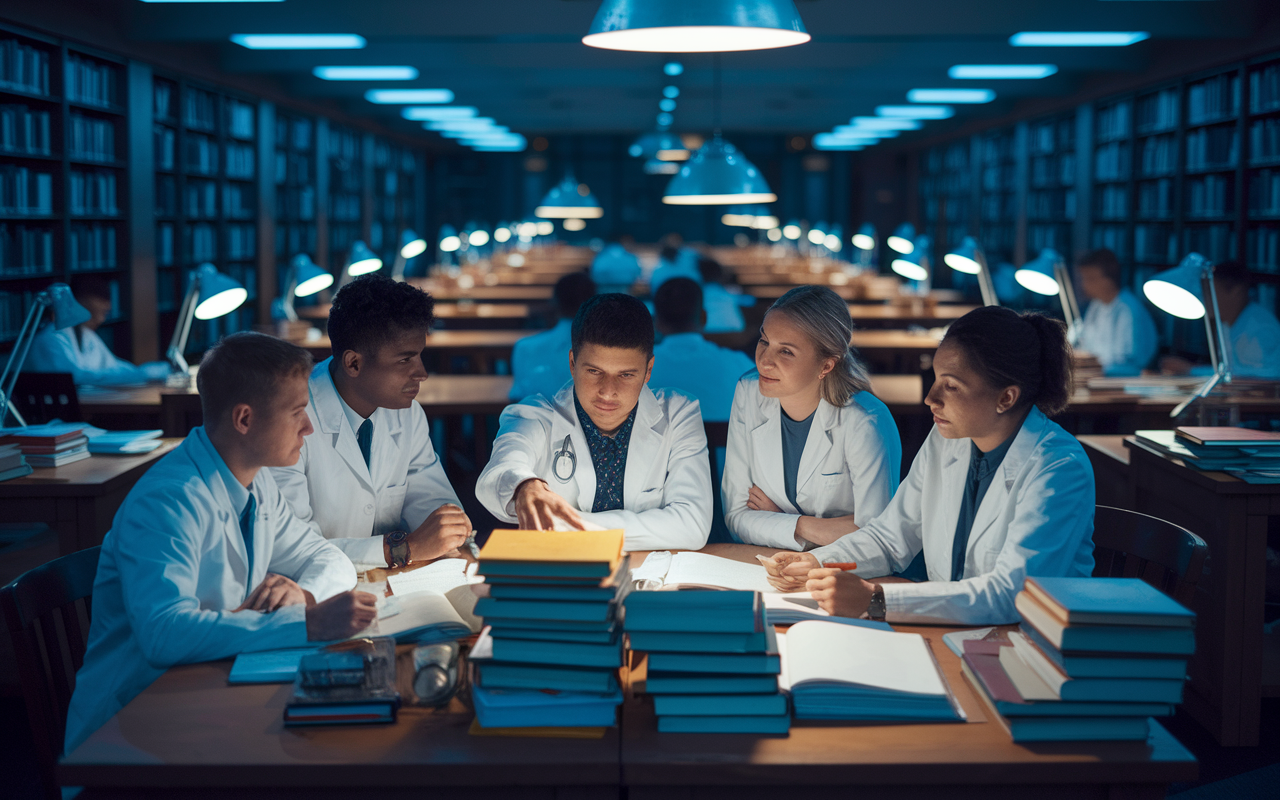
(411, 246)
(914, 265)
(1181, 291)
(210, 295)
(67, 313)
(360, 261)
(1046, 274)
(303, 280)
(864, 241)
(969, 259)
(902, 240)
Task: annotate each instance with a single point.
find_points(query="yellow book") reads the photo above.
(602, 549)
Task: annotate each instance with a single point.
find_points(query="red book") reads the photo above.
(1228, 437)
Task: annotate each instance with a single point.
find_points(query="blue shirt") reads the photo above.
(982, 468)
(794, 435)
(608, 457)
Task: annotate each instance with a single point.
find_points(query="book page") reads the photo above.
(653, 572)
(829, 651)
(699, 569)
(438, 576)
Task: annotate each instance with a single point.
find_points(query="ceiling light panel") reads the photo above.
(958, 96)
(1077, 38)
(299, 41)
(1008, 72)
(368, 74)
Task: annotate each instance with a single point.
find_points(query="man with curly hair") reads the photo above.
(369, 479)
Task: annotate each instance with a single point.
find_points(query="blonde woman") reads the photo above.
(812, 454)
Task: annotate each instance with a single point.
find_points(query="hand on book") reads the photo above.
(444, 531)
(788, 572)
(275, 591)
(537, 507)
(840, 593)
(341, 616)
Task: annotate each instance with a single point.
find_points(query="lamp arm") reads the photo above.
(290, 294)
(178, 344)
(9, 378)
(1067, 296)
(398, 267)
(1218, 349)
(985, 284)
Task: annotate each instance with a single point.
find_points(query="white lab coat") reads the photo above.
(89, 361)
(690, 363)
(1120, 334)
(352, 505)
(850, 465)
(684, 267)
(724, 309)
(173, 566)
(540, 363)
(666, 494)
(615, 268)
(1036, 519)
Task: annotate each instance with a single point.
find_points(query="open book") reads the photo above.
(662, 570)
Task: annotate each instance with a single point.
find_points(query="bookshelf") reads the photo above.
(295, 181)
(1051, 195)
(999, 193)
(343, 150)
(947, 188)
(1112, 160)
(395, 175)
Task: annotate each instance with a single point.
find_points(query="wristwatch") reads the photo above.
(875, 609)
(398, 545)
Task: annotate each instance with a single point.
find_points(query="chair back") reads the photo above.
(45, 396)
(42, 610)
(717, 440)
(1127, 544)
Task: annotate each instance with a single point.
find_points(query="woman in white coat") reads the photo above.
(998, 492)
(812, 453)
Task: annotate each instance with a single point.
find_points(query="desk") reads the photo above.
(77, 500)
(489, 294)
(900, 351)
(480, 347)
(455, 315)
(887, 316)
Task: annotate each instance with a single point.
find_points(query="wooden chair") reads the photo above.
(45, 396)
(42, 612)
(717, 438)
(1127, 544)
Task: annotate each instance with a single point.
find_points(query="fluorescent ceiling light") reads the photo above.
(950, 96)
(1077, 38)
(886, 123)
(916, 112)
(367, 74)
(851, 137)
(859, 132)
(435, 113)
(499, 148)
(468, 124)
(394, 96)
(829, 141)
(1028, 72)
(299, 41)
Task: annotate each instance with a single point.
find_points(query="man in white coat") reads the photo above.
(205, 526)
(1117, 329)
(539, 363)
(605, 451)
(81, 351)
(369, 479)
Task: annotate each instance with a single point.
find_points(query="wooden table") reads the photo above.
(77, 500)
(488, 294)
(888, 316)
(480, 348)
(455, 316)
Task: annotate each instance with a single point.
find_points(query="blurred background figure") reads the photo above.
(674, 261)
(724, 309)
(1253, 333)
(616, 268)
(540, 363)
(1117, 329)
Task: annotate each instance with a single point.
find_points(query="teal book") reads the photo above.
(1108, 601)
(1163, 639)
(533, 708)
(720, 705)
(588, 637)
(506, 623)
(763, 663)
(701, 683)
(780, 723)
(736, 619)
(1107, 665)
(575, 654)
(545, 569)
(680, 600)
(501, 675)
(681, 642)
(544, 609)
(576, 594)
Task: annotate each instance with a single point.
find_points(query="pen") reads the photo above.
(846, 566)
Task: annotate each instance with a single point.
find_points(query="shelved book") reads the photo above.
(551, 651)
(712, 660)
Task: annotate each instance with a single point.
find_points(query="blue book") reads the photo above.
(699, 620)
(1108, 601)
(574, 654)
(1105, 638)
(544, 609)
(765, 663)
(771, 724)
(692, 598)
(588, 637)
(720, 705)
(577, 594)
(532, 708)
(549, 624)
(1105, 665)
(702, 683)
(500, 675)
(681, 642)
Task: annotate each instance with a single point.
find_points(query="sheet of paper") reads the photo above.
(828, 651)
(652, 573)
(439, 576)
(956, 639)
(794, 603)
(700, 569)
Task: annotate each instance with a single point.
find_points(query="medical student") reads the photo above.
(997, 493)
(80, 350)
(675, 260)
(540, 363)
(1117, 329)
(616, 268)
(605, 451)
(368, 478)
(1253, 334)
(684, 360)
(724, 309)
(205, 559)
(812, 453)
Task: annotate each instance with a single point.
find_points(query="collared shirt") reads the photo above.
(236, 491)
(608, 457)
(1121, 334)
(353, 419)
(794, 435)
(982, 468)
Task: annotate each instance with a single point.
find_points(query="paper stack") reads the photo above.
(1094, 658)
(550, 653)
(713, 661)
(12, 463)
(1252, 456)
(49, 445)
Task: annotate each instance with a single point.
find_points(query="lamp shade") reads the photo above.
(744, 216)
(569, 200)
(718, 175)
(1037, 274)
(448, 240)
(411, 244)
(911, 265)
(218, 294)
(66, 310)
(902, 240)
(965, 257)
(1177, 291)
(308, 277)
(362, 260)
(656, 166)
(865, 238)
(662, 145)
(703, 26)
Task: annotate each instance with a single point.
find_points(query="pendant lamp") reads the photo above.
(659, 144)
(569, 200)
(695, 26)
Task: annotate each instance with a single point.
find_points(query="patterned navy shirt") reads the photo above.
(609, 457)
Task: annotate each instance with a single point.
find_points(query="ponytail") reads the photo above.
(1029, 351)
(1056, 379)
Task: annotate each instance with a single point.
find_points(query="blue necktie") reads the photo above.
(979, 469)
(365, 437)
(246, 530)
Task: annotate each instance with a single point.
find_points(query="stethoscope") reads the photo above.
(565, 452)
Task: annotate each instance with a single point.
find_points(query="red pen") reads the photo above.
(845, 566)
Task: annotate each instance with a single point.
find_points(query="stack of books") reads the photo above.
(12, 463)
(51, 445)
(550, 653)
(1093, 659)
(712, 661)
(1252, 456)
(352, 682)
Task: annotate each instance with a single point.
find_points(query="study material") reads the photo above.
(122, 442)
(1228, 436)
(699, 611)
(956, 639)
(74, 443)
(1104, 638)
(346, 683)
(423, 618)
(662, 570)
(498, 675)
(438, 576)
(545, 610)
(1250, 461)
(788, 609)
(1108, 601)
(20, 471)
(530, 651)
(79, 453)
(49, 433)
(659, 683)
(1107, 665)
(268, 666)
(697, 642)
(720, 705)
(573, 554)
(835, 671)
(765, 662)
(522, 708)
(1065, 687)
(779, 724)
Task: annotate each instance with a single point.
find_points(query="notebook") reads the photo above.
(662, 570)
(1228, 436)
(1108, 601)
(788, 609)
(1104, 638)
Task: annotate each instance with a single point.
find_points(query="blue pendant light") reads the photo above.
(659, 144)
(569, 200)
(695, 26)
(718, 175)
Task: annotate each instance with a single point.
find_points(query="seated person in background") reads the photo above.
(81, 351)
(616, 268)
(1117, 329)
(368, 474)
(684, 360)
(1253, 334)
(606, 450)
(997, 493)
(812, 453)
(724, 309)
(674, 261)
(205, 526)
(540, 363)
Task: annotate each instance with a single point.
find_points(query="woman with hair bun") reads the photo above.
(812, 454)
(997, 493)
